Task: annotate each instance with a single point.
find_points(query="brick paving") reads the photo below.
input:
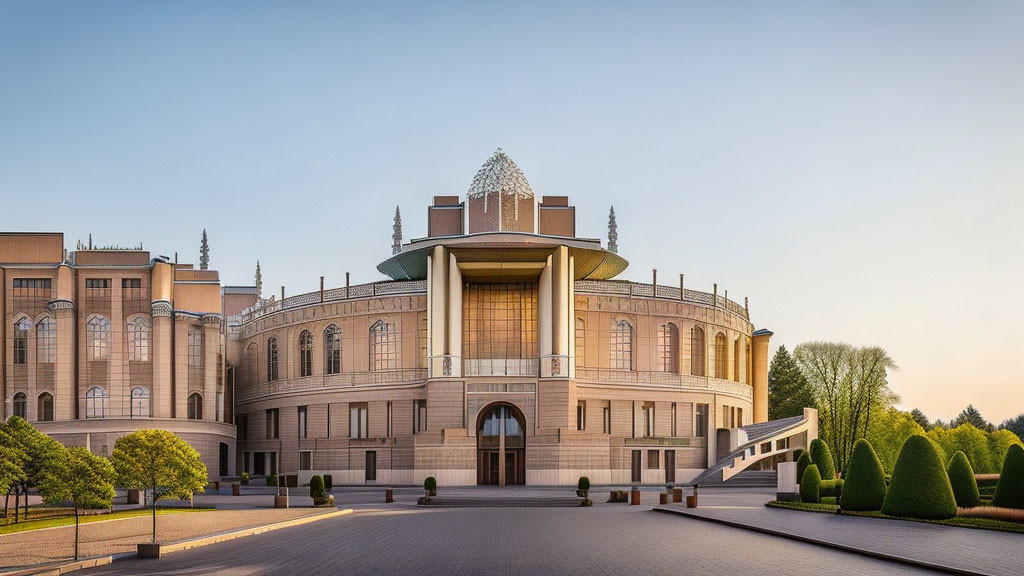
(402, 538)
(965, 549)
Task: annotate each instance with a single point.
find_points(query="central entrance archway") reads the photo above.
(500, 446)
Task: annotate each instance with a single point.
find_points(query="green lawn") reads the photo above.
(51, 517)
(964, 522)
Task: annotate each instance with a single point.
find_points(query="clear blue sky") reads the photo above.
(855, 169)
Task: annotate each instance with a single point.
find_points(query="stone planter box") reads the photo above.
(236, 489)
(677, 495)
(280, 501)
(148, 550)
(663, 498)
(133, 496)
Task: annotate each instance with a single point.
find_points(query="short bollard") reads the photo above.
(634, 496)
(663, 498)
(677, 495)
(389, 496)
(236, 489)
(691, 501)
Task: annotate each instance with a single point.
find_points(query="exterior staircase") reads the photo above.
(747, 479)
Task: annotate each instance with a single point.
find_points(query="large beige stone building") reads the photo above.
(502, 350)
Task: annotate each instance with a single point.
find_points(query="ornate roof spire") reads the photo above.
(396, 235)
(259, 282)
(613, 232)
(204, 253)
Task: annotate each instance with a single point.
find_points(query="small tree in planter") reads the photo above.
(78, 476)
(244, 478)
(810, 485)
(318, 493)
(583, 489)
(430, 486)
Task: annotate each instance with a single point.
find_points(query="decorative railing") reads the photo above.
(686, 381)
(501, 367)
(624, 288)
(333, 295)
(260, 389)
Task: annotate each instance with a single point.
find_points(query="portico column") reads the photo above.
(544, 318)
(437, 311)
(64, 370)
(454, 316)
(760, 372)
(161, 401)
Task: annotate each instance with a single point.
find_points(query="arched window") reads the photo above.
(581, 341)
(272, 359)
(97, 339)
(622, 346)
(383, 346)
(250, 363)
(138, 339)
(332, 350)
(195, 406)
(96, 402)
(305, 353)
(750, 367)
(697, 362)
(46, 341)
(721, 357)
(736, 360)
(668, 348)
(21, 405)
(140, 403)
(21, 331)
(44, 407)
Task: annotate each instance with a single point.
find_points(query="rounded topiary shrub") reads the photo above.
(583, 484)
(864, 486)
(797, 454)
(822, 458)
(920, 487)
(316, 488)
(961, 478)
(244, 478)
(810, 485)
(1010, 490)
(430, 484)
(802, 464)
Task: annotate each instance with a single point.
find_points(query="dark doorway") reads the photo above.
(670, 466)
(636, 465)
(371, 465)
(501, 446)
(223, 459)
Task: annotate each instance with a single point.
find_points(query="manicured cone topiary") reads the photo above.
(864, 486)
(810, 485)
(920, 487)
(822, 458)
(797, 454)
(1010, 490)
(316, 488)
(961, 478)
(802, 464)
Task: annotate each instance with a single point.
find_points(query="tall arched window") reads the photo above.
(272, 359)
(44, 407)
(21, 405)
(46, 341)
(622, 346)
(140, 403)
(249, 363)
(721, 357)
(22, 328)
(383, 346)
(305, 353)
(581, 342)
(736, 360)
(96, 402)
(97, 338)
(138, 339)
(195, 406)
(668, 348)
(697, 362)
(332, 349)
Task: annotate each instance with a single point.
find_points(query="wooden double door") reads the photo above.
(488, 467)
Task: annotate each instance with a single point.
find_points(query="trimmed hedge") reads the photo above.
(430, 484)
(271, 480)
(961, 478)
(833, 488)
(797, 454)
(583, 484)
(920, 487)
(864, 488)
(810, 485)
(316, 487)
(822, 458)
(1010, 490)
(802, 464)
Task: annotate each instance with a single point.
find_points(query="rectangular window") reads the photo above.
(581, 415)
(782, 444)
(306, 460)
(273, 432)
(97, 283)
(648, 419)
(653, 462)
(739, 417)
(195, 348)
(635, 474)
(673, 433)
(701, 421)
(131, 283)
(302, 421)
(389, 419)
(419, 416)
(606, 418)
(357, 421)
(31, 284)
(499, 322)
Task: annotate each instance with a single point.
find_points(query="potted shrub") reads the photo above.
(244, 478)
(430, 486)
(583, 490)
(318, 493)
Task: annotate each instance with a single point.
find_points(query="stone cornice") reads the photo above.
(60, 304)
(161, 308)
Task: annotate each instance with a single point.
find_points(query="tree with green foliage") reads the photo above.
(999, 442)
(159, 461)
(972, 416)
(961, 478)
(920, 418)
(802, 464)
(920, 487)
(316, 489)
(788, 390)
(82, 478)
(12, 465)
(39, 452)
(1015, 425)
(864, 486)
(810, 485)
(822, 458)
(888, 432)
(1010, 489)
(969, 440)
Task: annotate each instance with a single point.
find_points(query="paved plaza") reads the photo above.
(402, 538)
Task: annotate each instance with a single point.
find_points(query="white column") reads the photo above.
(454, 316)
(544, 310)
